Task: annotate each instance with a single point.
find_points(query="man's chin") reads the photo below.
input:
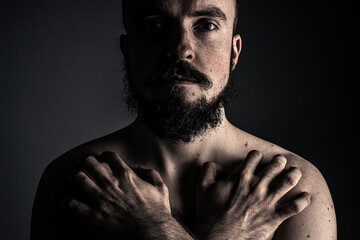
(185, 94)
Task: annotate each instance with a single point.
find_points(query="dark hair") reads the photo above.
(235, 20)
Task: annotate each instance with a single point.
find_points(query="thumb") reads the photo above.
(150, 175)
(210, 171)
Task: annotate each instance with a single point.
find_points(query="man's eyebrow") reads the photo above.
(210, 12)
(147, 11)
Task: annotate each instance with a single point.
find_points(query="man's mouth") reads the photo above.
(178, 79)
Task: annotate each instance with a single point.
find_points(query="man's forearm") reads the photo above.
(168, 229)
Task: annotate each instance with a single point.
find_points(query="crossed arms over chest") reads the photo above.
(245, 204)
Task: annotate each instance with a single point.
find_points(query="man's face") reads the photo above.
(199, 32)
(181, 48)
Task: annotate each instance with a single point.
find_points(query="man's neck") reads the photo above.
(167, 155)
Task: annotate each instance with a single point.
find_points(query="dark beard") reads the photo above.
(173, 119)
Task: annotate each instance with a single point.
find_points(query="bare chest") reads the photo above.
(182, 195)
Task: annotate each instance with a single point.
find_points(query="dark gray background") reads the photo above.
(60, 81)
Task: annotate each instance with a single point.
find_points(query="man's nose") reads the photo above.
(181, 46)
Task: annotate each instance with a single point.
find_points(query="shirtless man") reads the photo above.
(181, 170)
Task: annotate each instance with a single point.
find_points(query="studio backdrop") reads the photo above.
(61, 80)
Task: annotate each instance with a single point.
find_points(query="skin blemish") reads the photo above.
(246, 144)
(308, 236)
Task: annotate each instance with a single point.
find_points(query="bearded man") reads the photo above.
(181, 170)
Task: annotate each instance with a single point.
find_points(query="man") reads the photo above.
(181, 170)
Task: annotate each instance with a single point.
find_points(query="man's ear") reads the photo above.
(124, 44)
(236, 49)
(125, 49)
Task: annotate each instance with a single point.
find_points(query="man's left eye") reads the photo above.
(207, 26)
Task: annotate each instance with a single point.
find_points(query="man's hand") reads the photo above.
(245, 205)
(120, 204)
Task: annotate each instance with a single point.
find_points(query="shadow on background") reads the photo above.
(60, 77)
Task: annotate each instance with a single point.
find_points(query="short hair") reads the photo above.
(236, 19)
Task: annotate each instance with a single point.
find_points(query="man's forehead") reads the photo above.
(179, 7)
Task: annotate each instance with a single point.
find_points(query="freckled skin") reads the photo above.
(177, 163)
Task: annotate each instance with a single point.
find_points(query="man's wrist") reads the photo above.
(164, 227)
(211, 230)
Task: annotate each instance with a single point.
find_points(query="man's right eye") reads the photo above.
(153, 25)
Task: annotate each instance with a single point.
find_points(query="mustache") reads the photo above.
(172, 71)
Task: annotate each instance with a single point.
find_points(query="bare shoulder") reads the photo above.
(54, 187)
(318, 221)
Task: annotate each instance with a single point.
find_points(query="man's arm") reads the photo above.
(247, 204)
(51, 218)
(120, 204)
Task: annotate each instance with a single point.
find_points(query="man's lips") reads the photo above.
(177, 79)
(184, 80)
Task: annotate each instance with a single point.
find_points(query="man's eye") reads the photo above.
(207, 26)
(153, 25)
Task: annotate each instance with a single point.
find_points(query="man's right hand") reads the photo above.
(120, 203)
(245, 205)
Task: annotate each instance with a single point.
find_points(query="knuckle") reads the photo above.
(153, 172)
(127, 173)
(290, 180)
(114, 181)
(89, 160)
(209, 165)
(72, 204)
(162, 186)
(203, 184)
(308, 198)
(259, 192)
(80, 177)
(108, 188)
(295, 207)
(245, 177)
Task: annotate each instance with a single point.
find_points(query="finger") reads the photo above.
(150, 175)
(97, 171)
(87, 185)
(81, 210)
(287, 182)
(272, 170)
(247, 167)
(297, 205)
(116, 164)
(209, 173)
